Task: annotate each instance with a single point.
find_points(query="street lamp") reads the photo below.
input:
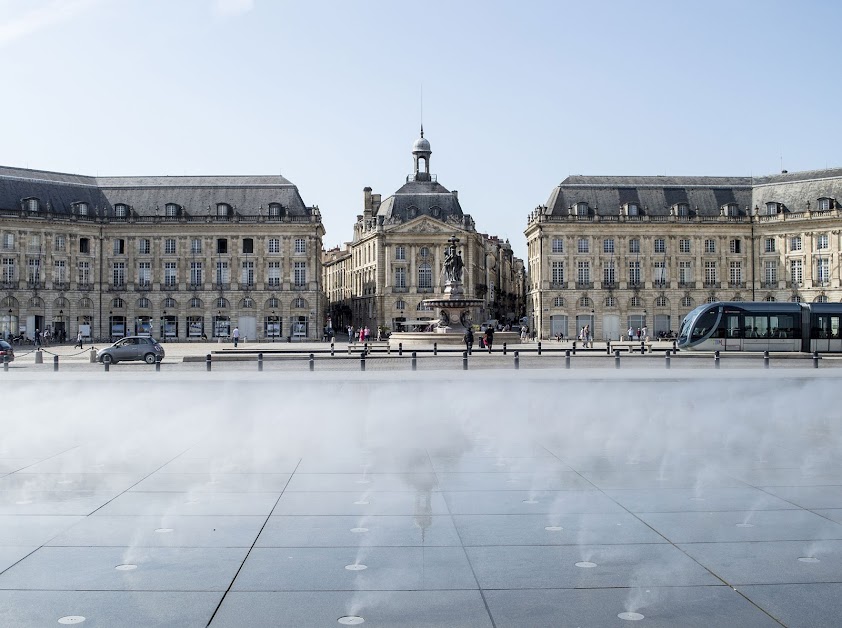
(644, 323)
(272, 327)
(593, 325)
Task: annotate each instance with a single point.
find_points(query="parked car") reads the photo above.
(143, 348)
(6, 352)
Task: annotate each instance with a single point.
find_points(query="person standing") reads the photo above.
(78, 340)
(524, 333)
(489, 337)
(469, 340)
(644, 333)
(236, 335)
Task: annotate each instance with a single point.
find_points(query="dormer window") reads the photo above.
(824, 204)
(732, 210)
(681, 209)
(223, 210)
(581, 209)
(274, 210)
(632, 209)
(773, 209)
(32, 204)
(171, 210)
(121, 210)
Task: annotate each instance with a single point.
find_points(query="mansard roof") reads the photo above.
(421, 198)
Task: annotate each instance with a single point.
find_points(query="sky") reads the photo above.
(516, 95)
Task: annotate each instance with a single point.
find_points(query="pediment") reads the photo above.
(423, 224)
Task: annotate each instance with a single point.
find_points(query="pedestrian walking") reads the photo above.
(489, 337)
(78, 340)
(630, 334)
(644, 332)
(469, 340)
(236, 335)
(524, 333)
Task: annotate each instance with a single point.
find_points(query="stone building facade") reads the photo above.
(620, 252)
(395, 259)
(181, 258)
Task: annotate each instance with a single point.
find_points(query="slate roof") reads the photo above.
(421, 198)
(794, 189)
(195, 194)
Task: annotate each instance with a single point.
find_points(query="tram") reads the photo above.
(763, 326)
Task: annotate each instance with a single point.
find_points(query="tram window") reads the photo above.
(825, 326)
(757, 326)
(783, 326)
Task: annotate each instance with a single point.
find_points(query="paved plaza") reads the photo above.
(543, 497)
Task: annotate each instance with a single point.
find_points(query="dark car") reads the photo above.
(7, 354)
(143, 348)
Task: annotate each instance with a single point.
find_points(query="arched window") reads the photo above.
(424, 252)
(247, 303)
(169, 302)
(36, 302)
(222, 302)
(423, 307)
(769, 298)
(661, 302)
(820, 299)
(795, 298)
(687, 302)
(299, 303)
(195, 302)
(610, 301)
(635, 302)
(400, 304)
(61, 302)
(585, 302)
(273, 303)
(143, 303)
(425, 276)
(117, 303)
(85, 303)
(558, 302)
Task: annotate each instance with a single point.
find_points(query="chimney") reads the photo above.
(455, 194)
(366, 198)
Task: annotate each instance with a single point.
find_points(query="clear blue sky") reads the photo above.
(517, 95)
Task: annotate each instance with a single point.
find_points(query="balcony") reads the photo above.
(584, 285)
(635, 285)
(196, 285)
(246, 286)
(400, 289)
(687, 284)
(143, 286)
(558, 285)
(117, 287)
(274, 282)
(736, 284)
(35, 285)
(610, 285)
(61, 285)
(425, 290)
(769, 285)
(84, 286)
(221, 286)
(8, 285)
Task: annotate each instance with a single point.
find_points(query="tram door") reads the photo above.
(733, 332)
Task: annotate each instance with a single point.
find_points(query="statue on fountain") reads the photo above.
(453, 264)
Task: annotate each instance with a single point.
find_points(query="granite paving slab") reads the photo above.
(799, 605)
(213, 483)
(539, 480)
(67, 502)
(105, 482)
(810, 497)
(363, 503)
(357, 482)
(707, 499)
(529, 502)
(33, 529)
(195, 503)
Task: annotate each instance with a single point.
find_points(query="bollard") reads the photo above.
(362, 362)
(157, 363)
(667, 360)
(765, 359)
(574, 347)
(464, 360)
(331, 348)
(6, 363)
(400, 348)
(260, 362)
(674, 347)
(39, 357)
(616, 358)
(517, 360)
(815, 360)
(389, 348)
(608, 348)
(92, 356)
(414, 362)
(107, 365)
(716, 359)
(567, 359)
(208, 362)
(539, 347)
(435, 350)
(642, 347)
(55, 363)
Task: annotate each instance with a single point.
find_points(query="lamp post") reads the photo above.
(644, 321)
(272, 326)
(593, 325)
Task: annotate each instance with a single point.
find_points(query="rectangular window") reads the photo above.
(274, 245)
(822, 242)
(583, 245)
(558, 245)
(770, 273)
(300, 245)
(222, 245)
(170, 273)
(8, 241)
(400, 277)
(795, 243)
(660, 245)
(84, 272)
(769, 245)
(222, 275)
(8, 269)
(274, 273)
(196, 245)
(609, 277)
(195, 273)
(169, 246)
(33, 272)
(59, 243)
(823, 271)
(144, 273)
(583, 273)
(60, 271)
(84, 245)
(144, 246)
(634, 273)
(119, 246)
(558, 272)
(660, 273)
(735, 273)
(247, 276)
(248, 246)
(823, 204)
(710, 273)
(796, 272)
(300, 274)
(118, 273)
(710, 246)
(684, 245)
(685, 273)
(734, 246)
(400, 252)
(608, 245)
(634, 245)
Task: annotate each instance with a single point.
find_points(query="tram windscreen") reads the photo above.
(704, 323)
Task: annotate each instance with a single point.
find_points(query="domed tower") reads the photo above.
(421, 152)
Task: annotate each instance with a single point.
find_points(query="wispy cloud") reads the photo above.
(39, 17)
(230, 8)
